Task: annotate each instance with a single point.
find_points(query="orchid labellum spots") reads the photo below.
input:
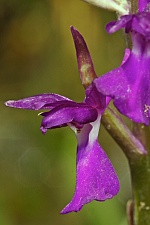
(95, 175)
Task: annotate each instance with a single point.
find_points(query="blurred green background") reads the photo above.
(37, 55)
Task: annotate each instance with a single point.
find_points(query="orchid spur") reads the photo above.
(95, 175)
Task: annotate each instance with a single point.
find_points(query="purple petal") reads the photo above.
(96, 99)
(126, 55)
(129, 86)
(74, 113)
(36, 102)
(117, 25)
(139, 23)
(113, 84)
(142, 4)
(96, 178)
(85, 64)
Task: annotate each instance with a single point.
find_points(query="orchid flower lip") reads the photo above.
(95, 176)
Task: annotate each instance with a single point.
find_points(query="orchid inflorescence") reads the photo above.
(127, 86)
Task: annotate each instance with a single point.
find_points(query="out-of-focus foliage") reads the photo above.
(37, 172)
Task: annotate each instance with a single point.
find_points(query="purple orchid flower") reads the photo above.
(143, 5)
(129, 85)
(95, 175)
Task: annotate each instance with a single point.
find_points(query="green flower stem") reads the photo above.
(134, 8)
(122, 135)
(130, 210)
(140, 175)
(138, 209)
(140, 131)
(140, 171)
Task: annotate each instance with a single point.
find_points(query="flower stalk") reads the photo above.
(138, 209)
(140, 175)
(131, 146)
(134, 6)
(129, 88)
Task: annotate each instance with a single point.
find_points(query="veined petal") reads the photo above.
(36, 102)
(96, 178)
(65, 113)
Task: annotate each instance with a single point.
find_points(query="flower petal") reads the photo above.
(96, 178)
(85, 64)
(142, 5)
(139, 23)
(116, 25)
(76, 113)
(130, 88)
(96, 99)
(132, 78)
(113, 83)
(36, 102)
